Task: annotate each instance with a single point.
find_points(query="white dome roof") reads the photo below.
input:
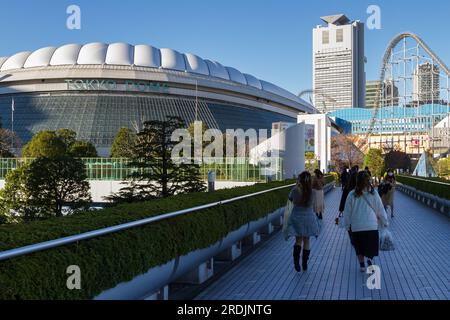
(141, 56)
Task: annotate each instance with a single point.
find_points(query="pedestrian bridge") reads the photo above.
(419, 268)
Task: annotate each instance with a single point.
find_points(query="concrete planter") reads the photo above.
(430, 200)
(193, 266)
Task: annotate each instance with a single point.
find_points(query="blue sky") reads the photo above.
(270, 39)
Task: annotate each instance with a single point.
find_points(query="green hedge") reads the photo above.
(428, 185)
(329, 178)
(112, 259)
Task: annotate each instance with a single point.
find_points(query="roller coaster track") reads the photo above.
(392, 44)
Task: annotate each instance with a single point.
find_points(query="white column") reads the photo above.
(294, 150)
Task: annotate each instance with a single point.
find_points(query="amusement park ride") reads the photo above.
(403, 62)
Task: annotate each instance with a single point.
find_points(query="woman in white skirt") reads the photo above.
(302, 223)
(318, 196)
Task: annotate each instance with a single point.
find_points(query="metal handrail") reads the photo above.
(8, 254)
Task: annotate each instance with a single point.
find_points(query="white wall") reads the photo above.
(100, 189)
(322, 137)
(289, 145)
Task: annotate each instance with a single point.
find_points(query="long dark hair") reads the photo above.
(304, 183)
(362, 183)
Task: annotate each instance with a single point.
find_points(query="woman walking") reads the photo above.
(388, 188)
(318, 195)
(363, 214)
(302, 223)
(351, 183)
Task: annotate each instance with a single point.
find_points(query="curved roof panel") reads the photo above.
(40, 58)
(66, 55)
(16, 61)
(120, 54)
(196, 64)
(147, 56)
(171, 59)
(236, 75)
(252, 81)
(2, 60)
(217, 70)
(93, 53)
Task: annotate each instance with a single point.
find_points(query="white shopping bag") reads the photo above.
(386, 240)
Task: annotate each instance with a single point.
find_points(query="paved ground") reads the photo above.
(418, 269)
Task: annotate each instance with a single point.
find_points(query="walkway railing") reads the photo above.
(104, 231)
(230, 169)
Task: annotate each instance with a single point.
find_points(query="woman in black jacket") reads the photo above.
(351, 184)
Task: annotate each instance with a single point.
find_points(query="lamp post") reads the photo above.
(12, 124)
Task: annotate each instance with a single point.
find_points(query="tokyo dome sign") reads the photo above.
(113, 85)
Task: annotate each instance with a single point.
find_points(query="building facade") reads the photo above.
(426, 84)
(389, 93)
(338, 63)
(95, 89)
(404, 128)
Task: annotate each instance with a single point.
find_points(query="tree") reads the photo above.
(69, 137)
(82, 149)
(15, 197)
(443, 167)
(344, 151)
(51, 144)
(375, 161)
(8, 139)
(44, 144)
(311, 163)
(42, 188)
(122, 146)
(157, 174)
(397, 160)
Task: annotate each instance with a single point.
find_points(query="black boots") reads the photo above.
(305, 258)
(296, 254)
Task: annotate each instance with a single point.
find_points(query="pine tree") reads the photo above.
(157, 175)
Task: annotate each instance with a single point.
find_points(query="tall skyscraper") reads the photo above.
(338, 64)
(426, 83)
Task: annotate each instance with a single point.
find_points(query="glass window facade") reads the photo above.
(391, 119)
(98, 117)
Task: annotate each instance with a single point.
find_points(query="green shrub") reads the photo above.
(428, 185)
(332, 177)
(111, 259)
(328, 178)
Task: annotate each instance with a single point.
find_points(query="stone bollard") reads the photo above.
(200, 274)
(252, 239)
(267, 229)
(162, 294)
(230, 254)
